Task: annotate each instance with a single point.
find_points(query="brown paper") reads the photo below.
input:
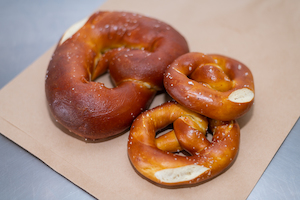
(264, 35)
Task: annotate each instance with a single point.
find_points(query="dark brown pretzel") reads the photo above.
(213, 85)
(136, 49)
(153, 158)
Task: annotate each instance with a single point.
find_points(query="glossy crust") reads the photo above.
(136, 50)
(206, 160)
(215, 86)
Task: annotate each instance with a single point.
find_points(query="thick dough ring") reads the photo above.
(213, 85)
(160, 165)
(136, 49)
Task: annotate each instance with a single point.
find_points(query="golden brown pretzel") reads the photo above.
(155, 160)
(135, 48)
(213, 85)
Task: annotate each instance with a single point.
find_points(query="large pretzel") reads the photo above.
(153, 158)
(213, 85)
(136, 49)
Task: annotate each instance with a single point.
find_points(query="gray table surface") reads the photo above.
(30, 28)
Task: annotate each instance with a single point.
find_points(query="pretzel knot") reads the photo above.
(154, 158)
(135, 50)
(215, 86)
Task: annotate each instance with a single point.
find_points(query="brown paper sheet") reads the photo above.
(262, 34)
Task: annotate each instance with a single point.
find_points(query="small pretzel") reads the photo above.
(153, 158)
(135, 49)
(213, 85)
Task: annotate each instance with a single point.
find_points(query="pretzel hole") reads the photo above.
(209, 135)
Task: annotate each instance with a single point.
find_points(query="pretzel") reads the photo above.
(155, 160)
(215, 86)
(135, 49)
